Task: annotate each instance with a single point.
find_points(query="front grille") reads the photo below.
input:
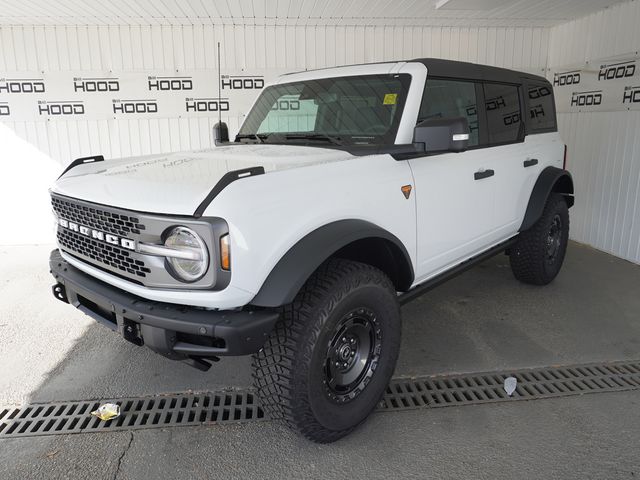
(109, 255)
(109, 221)
(85, 231)
(97, 218)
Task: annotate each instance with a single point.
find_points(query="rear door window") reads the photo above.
(502, 105)
(444, 98)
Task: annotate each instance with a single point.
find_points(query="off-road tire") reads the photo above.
(530, 258)
(289, 372)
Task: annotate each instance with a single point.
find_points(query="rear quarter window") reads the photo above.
(540, 108)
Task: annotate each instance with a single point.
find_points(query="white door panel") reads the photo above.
(454, 211)
(510, 177)
(516, 181)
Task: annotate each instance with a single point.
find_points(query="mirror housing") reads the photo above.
(220, 133)
(443, 134)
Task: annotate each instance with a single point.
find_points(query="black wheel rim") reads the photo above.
(554, 239)
(352, 355)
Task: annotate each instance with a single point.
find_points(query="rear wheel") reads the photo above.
(329, 360)
(539, 253)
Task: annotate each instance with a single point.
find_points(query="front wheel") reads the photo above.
(329, 360)
(539, 252)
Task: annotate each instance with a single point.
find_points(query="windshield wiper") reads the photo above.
(253, 136)
(314, 136)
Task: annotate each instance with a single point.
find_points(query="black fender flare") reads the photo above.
(551, 179)
(294, 268)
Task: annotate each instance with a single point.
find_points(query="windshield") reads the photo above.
(343, 110)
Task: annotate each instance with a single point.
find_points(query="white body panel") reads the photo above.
(515, 182)
(176, 183)
(448, 218)
(366, 188)
(455, 212)
(263, 226)
(458, 216)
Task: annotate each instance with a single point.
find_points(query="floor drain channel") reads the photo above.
(535, 383)
(242, 405)
(136, 413)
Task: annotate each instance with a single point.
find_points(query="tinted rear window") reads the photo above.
(502, 104)
(541, 108)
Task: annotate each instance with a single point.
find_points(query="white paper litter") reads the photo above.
(510, 384)
(107, 411)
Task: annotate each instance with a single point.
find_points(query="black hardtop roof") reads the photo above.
(439, 67)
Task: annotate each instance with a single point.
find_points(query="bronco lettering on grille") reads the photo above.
(97, 234)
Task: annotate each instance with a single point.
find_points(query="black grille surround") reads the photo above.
(86, 232)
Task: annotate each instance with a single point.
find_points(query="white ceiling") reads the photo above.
(298, 12)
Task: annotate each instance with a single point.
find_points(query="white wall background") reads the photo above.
(252, 48)
(604, 147)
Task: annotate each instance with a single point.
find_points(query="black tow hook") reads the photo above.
(201, 363)
(60, 292)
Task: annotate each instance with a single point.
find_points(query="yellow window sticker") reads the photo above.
(390, 99)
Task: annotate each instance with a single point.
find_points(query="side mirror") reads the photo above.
(443, 134)
(220, 133)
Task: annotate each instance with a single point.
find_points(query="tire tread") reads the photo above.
(527, 256)
(279, 389)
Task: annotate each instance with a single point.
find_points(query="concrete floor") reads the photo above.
(483, 320)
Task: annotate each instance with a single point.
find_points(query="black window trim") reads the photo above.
(483, 134)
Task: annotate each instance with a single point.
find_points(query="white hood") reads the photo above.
(176, 183)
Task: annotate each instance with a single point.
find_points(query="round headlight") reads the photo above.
(193, 263)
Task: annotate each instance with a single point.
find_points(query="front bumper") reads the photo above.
(175, 331)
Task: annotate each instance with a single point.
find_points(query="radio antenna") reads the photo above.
(219, 89)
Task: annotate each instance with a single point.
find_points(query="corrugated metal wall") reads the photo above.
(287, 48)
(604, 147)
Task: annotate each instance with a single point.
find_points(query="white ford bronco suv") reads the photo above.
(347, 192)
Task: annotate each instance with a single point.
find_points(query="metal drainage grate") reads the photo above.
(536, 383)
(242, 405)
(136, 413)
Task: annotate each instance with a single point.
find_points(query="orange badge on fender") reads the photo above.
(406, 190)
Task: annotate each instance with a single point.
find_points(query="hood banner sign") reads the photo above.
(53, 96)
(602, 86)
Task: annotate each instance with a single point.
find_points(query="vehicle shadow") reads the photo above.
(483, 320)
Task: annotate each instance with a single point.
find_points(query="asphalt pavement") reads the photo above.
(483, 320)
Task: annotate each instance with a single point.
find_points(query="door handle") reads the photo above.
(530, 162)
(483, 174)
